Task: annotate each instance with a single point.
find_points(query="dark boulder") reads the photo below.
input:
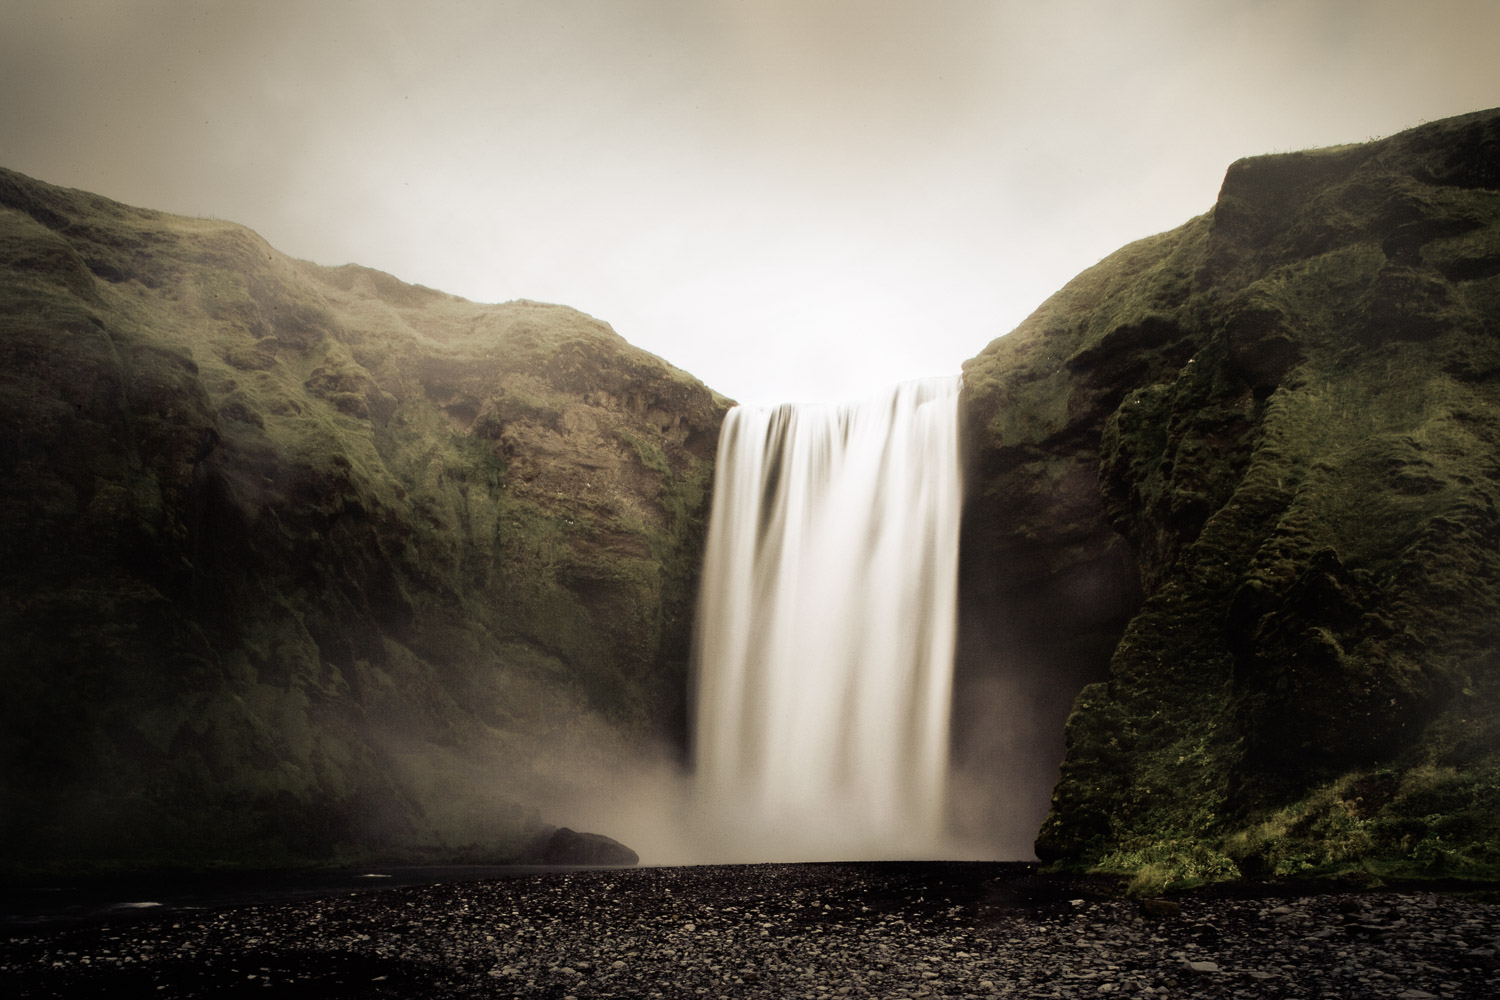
(563, 846)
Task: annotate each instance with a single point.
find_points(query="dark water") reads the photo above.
(63, 901)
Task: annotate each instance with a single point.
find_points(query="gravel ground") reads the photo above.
(819, 931)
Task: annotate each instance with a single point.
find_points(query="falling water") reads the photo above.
(826, 628)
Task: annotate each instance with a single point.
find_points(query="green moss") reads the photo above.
(1432, 811)
(307, 540)
(1167, 865)
(1293, 409)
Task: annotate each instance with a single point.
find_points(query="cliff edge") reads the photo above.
(1262, 453)
(303, 563)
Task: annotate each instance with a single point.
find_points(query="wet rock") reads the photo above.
(887, 931)
(564, 846)
(1161, 908)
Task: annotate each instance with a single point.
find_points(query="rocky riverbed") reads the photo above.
(816, 931)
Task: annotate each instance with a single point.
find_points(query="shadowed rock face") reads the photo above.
(300, 562)
(1256, 458)
(569, 847)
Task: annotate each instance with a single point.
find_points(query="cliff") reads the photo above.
(1243, 476)
(303, 563)
(307, 564)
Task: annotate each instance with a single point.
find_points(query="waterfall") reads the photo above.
(824, 649)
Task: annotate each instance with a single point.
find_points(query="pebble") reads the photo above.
(840, 930)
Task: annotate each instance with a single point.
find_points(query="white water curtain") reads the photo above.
(824, 650)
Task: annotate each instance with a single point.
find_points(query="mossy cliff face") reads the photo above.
(1283, 421)
(301, 562)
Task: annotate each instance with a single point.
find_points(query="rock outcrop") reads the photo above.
(1258, 458)
(301, 563)
(562, 846)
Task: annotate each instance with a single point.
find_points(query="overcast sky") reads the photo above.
(791, 199)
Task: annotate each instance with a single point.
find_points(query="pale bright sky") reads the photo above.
(791, 199)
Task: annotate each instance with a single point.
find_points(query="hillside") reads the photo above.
(307, 563)
(1243, 476)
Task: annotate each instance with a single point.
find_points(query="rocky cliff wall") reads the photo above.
(302, 563)
(1256, 458)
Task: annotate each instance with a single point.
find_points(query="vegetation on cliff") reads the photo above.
(301, 562)
(1290, 409)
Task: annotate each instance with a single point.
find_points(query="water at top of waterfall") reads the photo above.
(826, 625)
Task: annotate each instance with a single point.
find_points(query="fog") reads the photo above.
(792, 201)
